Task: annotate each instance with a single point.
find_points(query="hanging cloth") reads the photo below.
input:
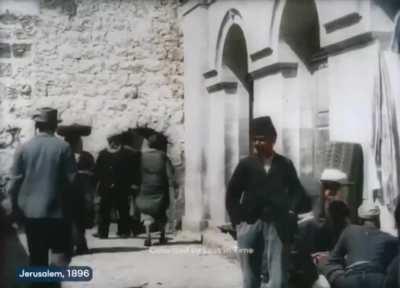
(386, 140)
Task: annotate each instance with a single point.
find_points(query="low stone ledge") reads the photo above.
(221, 242)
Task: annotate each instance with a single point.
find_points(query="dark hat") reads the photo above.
(263, 126)
(74, 130)
(46, 115)
(115, 138)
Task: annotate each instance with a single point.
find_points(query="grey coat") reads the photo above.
(156, 182)
(359, 244)
(42, 169)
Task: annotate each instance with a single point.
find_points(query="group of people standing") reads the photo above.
(264, 197)
(53, 183)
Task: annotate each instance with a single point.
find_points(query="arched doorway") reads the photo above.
(234, 67)
(299, 42)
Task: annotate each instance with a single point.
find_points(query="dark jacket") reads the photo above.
(81, 197)
(393, 274)
(360, 243)
(253, 194)
(117, 171)
(317, 236)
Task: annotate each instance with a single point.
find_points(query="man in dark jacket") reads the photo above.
(262, 192)
(116, 170)
(42, 169)
(83, 190)
(393, 272)
(362, 254)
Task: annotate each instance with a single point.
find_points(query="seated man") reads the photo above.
(362, 253)
(393, 272)
(322, 234)
(316, 237)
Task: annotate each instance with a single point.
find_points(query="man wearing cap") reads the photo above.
(42, 170)
(322, 234)
(262, 191)
(115, 171)
(83, 190)
(362, 253)
(318, 235)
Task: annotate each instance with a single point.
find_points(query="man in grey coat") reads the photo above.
(362, 253)
(43, 168)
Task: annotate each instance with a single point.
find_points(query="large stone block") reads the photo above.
(5, 69)
(21, 50)
(5, 50)
(8, 19)
(5, 34)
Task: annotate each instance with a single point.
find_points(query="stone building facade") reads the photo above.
(312, 65)
(111, 64)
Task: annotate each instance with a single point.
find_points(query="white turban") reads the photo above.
(334, 175)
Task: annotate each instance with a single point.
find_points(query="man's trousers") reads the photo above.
(44, 235)
(120, 202)
(267, 266)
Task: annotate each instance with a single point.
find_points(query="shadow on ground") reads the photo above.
(178, 243)
(116, 249)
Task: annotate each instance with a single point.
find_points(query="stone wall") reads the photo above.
(111, 64)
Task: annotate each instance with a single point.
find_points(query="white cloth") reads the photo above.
(387, 123)
(321, 282)
(334, 175)
(368, 210)
(267, 164)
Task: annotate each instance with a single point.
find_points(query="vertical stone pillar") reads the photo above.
(217, 149)
(195, 44)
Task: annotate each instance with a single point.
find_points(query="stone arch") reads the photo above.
(284, 26)
(295, 39)
(231, 25)
(233, 67)
(229, 105)
(301, 35)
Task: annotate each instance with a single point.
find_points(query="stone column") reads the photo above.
(195, 43)
(217, 149)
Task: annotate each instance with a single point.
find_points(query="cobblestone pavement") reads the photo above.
(126, 263)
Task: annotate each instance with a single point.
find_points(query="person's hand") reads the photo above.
(320, 258)
(17, 216)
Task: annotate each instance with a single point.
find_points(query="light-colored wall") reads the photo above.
(111, 64)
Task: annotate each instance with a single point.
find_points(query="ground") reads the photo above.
(126, 263)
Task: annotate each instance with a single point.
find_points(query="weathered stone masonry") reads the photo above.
(111, 64)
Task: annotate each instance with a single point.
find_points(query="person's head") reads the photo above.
(46, 120)
(75, 141)
(332, 184)
(369, 214)
(263, 135)
(338, 212)
(114, 142)
(157, 141)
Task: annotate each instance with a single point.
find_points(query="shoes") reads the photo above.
(163, 240)
(124, 235)
(82, 251)
(147, 242)
(100, 236)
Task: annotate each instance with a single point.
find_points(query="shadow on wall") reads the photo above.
(391, 7)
